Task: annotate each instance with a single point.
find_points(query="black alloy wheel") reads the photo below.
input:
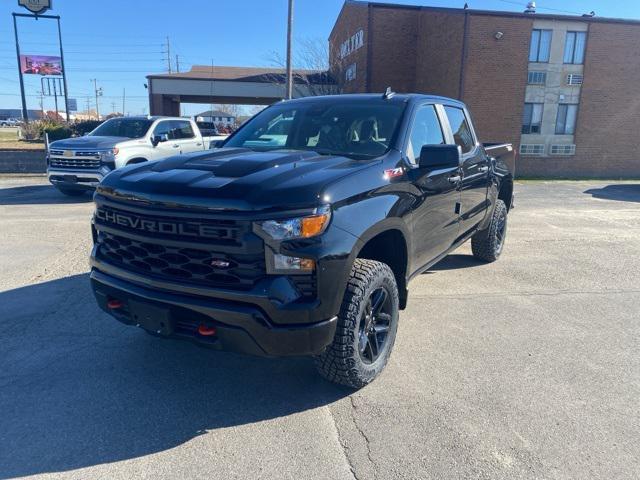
(374, 325)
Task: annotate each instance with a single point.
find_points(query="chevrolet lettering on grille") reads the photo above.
(192, 229)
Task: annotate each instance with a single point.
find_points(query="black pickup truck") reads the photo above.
(301, 242)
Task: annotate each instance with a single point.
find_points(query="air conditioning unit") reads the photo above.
(532, 149)
(563, 150)
(574, 79)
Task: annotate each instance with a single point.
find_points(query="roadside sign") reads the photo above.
(73, 104)
(40, 65)
(35, 6)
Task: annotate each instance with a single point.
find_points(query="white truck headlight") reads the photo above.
(302, 227)
(109, 155)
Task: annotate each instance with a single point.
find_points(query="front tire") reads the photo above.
(487, 244)
(367, 326)
(71, 192)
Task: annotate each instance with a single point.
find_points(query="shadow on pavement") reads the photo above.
(38, 195)
(79, 389)
(624, 192)
(454, 262)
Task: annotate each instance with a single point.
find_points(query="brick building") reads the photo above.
(561, 88)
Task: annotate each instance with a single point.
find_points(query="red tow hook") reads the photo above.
(206, 331)
(114, 304)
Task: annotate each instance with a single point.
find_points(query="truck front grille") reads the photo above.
(89, 159)
(193, 265)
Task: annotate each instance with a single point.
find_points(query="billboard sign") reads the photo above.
(35, 6)
(40, 65)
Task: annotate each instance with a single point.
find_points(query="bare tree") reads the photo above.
(233, 110)
(311, 68)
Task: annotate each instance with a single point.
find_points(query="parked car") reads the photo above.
(306, 247)
(9, 122)
(75, 165)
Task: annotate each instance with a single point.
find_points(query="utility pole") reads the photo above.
(177, 64)
(123, 97)
(289, 34)
(88, 105)
(113, 107)
(98, 92)
(55, 96)
(41, 93)
(168, 55)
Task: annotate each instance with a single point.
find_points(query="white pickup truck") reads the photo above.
(75, 165)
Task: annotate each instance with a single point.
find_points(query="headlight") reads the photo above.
(302, 227)
(109, 155)
(284, 262)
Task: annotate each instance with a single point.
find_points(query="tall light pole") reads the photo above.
(98, 92)
(289, 33)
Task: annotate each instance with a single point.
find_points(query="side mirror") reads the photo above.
(216, 144)
(439, 156)
(156, 139)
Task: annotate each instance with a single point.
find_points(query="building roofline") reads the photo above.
(342, 9)
(497, 13)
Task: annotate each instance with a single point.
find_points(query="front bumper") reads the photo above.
(76, 178)
(239, 327)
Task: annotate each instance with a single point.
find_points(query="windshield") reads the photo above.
(350, 128)
(123, 127)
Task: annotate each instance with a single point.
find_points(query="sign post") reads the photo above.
(25, 114)
(38, 7)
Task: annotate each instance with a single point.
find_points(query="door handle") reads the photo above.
(483, 169)
(176, 146)
(454, 179)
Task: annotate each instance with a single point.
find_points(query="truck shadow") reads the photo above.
(38, 195)
(79, 389)
(455, 261)
(623, 192)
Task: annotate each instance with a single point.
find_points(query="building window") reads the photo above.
(537, 78)
(540, 46)
(531, 149)
(532, 117)
(350, 73)
(574, 47)
(566, 119)
(563, 150)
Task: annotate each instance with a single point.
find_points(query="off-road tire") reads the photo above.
(341, 362)
(487, 244)
(71, 192)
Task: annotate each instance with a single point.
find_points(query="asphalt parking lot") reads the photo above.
(525, 368)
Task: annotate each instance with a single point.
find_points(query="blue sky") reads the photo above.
(118, 42)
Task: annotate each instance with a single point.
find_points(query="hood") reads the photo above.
(88, 142)
(234, 179)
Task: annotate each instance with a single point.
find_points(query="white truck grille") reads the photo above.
(89, 159)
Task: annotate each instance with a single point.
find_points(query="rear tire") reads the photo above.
(71, 192)
(367, 326)
(487, 245)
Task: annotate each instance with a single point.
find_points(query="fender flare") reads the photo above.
(135, 160)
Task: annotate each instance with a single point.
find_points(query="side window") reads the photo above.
(462, 135)
(426, 130)
(164, 127)
(183, 129)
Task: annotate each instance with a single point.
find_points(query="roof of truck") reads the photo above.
(396, 97)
